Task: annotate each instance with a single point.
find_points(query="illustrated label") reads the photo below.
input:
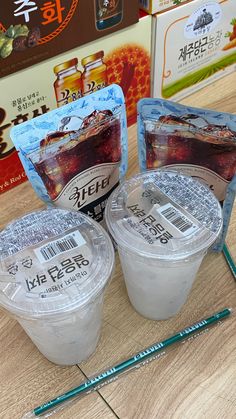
(97, 181)
(108, 8)
(203, 20)
(93, 85)
(68, 95)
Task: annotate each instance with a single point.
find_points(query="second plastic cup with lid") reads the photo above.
(163, 223)
(57, 264)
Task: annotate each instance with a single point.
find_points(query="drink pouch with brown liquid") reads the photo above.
(198, 142)
(74, 156)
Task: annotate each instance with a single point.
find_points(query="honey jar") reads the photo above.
(108, 13)
(94, 76)
(68, 83)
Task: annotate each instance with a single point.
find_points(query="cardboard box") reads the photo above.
(157, 6)
(32, 92)
(33, 31)
(194, 45)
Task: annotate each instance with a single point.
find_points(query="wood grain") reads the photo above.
(196, 380)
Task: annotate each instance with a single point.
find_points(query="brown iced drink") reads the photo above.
(174, 140)
(63, 155)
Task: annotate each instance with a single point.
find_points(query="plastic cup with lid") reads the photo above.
(163, 223)
(54, 267)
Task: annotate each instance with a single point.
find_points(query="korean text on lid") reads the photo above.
(54, 266)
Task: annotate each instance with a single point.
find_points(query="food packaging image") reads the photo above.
(157, 6)
(75, 155)
(193, 45)
(123, 59)
(198, 142)
(33, 31)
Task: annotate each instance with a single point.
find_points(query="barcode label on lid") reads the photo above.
(56, 247)
(177, 219)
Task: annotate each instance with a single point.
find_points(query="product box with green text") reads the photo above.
(194, 45)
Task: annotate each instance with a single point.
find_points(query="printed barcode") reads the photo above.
(174, 217)
(48, 252)
(144, 3)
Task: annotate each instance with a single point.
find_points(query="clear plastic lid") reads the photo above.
(52, 262)
(164, 214)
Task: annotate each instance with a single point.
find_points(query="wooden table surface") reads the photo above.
(196, 380)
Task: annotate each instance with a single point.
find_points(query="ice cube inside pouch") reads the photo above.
(197, 142)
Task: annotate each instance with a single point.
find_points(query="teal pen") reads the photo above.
(229, 260)
(148, 354)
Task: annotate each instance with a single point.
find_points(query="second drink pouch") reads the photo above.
(74, 156)
(197, 142)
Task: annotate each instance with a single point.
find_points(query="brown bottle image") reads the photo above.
(108, 13)
(94, 76)
(68, 86)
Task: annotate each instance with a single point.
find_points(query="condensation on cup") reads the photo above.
(54, 267)
(163, 223)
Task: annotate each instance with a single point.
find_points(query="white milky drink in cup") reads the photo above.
(54, 266)
(163, 223)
